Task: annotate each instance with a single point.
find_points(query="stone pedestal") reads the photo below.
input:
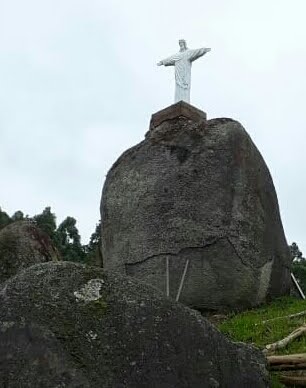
(180, 109)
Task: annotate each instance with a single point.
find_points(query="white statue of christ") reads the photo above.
(182, 62)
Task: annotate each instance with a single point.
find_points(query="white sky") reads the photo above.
(79, 82)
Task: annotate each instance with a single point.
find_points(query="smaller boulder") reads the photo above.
(22, 244)
(66, 322)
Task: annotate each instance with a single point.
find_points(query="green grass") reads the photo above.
(249, 327)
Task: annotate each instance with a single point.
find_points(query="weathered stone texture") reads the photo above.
(197, 191)
(22, 244)
(65, 324)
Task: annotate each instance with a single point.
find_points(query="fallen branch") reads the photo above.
(287, 367)
(287, 362)
(293, 381)
(285, 341)
(286, 358)
(300, 314)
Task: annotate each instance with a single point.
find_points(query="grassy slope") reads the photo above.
(248, 326)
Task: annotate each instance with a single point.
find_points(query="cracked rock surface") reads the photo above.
(203, 194)
(68, 325)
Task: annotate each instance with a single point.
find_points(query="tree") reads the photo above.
(299, 271)
(298, 265)
(95, 238)
(69, 241)
(18, 216)
(296, 254)
(46, 221)
(93, 249)
(4, 218)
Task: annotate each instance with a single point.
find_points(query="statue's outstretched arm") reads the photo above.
(197, 53)
(170, 61)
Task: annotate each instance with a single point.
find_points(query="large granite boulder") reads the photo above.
(192, 210)
(22, 244)
(65, 324)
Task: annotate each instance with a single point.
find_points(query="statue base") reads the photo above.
(179, 109)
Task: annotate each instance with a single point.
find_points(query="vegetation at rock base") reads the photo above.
(257, 327)
(65, 236)
(298, 265)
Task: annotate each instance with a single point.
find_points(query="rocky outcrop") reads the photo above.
(192, 210)
(65, 324)
(22, 244)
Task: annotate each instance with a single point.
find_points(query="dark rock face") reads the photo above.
(198, 199)
(32, 357)
(68, 323)
(22, 244)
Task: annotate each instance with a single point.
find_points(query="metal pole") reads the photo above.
(182, 281)
(167, 278)
(297, 285)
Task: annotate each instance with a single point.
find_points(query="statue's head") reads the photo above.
(183, 45)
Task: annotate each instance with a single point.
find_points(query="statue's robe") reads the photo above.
(182, 62)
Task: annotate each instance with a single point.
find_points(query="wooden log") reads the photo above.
(286, 341)
(293, 381)
(287, 367)
(288, 359)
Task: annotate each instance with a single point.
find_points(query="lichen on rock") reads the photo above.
(90, 291)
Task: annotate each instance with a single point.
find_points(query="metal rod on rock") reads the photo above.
(182, 281)
(167, 278)
(297, 286)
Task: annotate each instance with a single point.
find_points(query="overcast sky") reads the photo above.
(79, 82)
